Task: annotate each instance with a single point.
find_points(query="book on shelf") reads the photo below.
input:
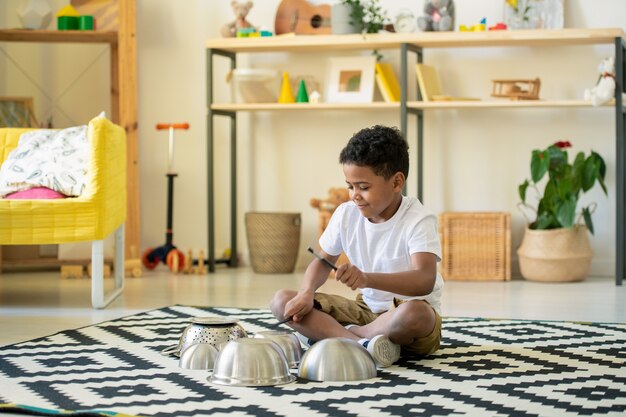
(387, 82)
(430, 87)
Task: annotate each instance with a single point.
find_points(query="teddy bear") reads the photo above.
(438, 16)
(605, 87)
(241, 10)
(326, 207)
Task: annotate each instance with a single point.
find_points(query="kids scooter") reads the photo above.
(168, 253)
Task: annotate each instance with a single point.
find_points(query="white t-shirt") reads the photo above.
(385, 247)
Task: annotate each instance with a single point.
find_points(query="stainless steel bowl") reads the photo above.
(337, 359)
(287, 341)
(200, 356)
(251, 362)
(212, 330)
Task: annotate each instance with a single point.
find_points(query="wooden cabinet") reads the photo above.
(123, 91)
(413, 43)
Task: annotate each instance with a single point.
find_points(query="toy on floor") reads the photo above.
(604, 90)
(240, 24)
(438, 16)
(72, 271)
(516, 89)
(132, 266)
(167, 253)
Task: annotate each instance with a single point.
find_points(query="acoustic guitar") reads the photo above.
(303, 18)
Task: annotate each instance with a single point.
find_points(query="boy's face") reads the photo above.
(378, 199)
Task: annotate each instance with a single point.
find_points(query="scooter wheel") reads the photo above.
(145, 259)
(175, 260)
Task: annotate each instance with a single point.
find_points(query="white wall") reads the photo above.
(474, 159)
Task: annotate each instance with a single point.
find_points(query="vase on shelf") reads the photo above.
(34, 14)
(523, 14)
(341, 20)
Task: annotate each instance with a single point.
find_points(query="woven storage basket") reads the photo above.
(556, 255)
(274, 241)
(475, 246)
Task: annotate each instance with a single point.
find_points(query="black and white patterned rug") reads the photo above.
(484, 368)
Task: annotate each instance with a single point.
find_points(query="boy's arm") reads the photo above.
(419, 280)
(314, 277)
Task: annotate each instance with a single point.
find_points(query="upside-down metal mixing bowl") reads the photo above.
(212, 330)
(287, 341)
(251, 362)
(200, 356)
(337, 359)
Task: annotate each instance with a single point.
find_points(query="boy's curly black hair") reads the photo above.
(381, 148)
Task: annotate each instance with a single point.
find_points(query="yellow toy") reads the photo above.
(286, 94)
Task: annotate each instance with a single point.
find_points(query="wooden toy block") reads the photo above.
(132, 268)
(71, 271)
(188, 266)
(201, 269)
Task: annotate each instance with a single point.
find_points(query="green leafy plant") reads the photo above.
(566, 182)
(367, 15)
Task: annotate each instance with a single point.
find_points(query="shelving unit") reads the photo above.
(411, 43)
(123, 66)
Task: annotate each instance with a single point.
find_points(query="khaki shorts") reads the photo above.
(347, 311)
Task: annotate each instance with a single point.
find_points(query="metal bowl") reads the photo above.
(200, 356)
(212, 330)
(337, 359)
(251, 362)
(287, 341)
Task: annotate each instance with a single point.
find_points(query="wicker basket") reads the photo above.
(475, 246)
(556, 255)
(274, 241)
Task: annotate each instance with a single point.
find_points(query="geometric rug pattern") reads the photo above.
(484, 368)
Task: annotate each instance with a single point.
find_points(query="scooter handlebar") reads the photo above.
(162, 126)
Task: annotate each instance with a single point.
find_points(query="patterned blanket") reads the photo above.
(484, 368)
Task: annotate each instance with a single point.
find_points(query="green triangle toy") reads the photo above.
(302, 96)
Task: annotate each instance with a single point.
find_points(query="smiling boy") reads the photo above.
(393, 247)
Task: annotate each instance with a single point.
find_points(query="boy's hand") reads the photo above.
(299, 306)
(352, 276)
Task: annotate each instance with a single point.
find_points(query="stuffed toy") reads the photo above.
(438, 16)
(604, 90)
(326, 207)
(241, 10)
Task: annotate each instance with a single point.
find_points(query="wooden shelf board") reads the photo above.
(309, 43)
(541, 37)
(482, 104)
(56, 36)
(304, 106)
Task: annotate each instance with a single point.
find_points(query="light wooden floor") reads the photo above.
(39, 304)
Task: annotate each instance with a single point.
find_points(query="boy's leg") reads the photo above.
(414, 324)
(321, 322)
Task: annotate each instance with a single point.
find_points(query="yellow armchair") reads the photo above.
(93, 216)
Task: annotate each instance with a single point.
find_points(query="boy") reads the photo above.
(393, 247)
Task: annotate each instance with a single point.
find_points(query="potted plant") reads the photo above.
(556, 246)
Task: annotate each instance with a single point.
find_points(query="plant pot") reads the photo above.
(556, 255)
